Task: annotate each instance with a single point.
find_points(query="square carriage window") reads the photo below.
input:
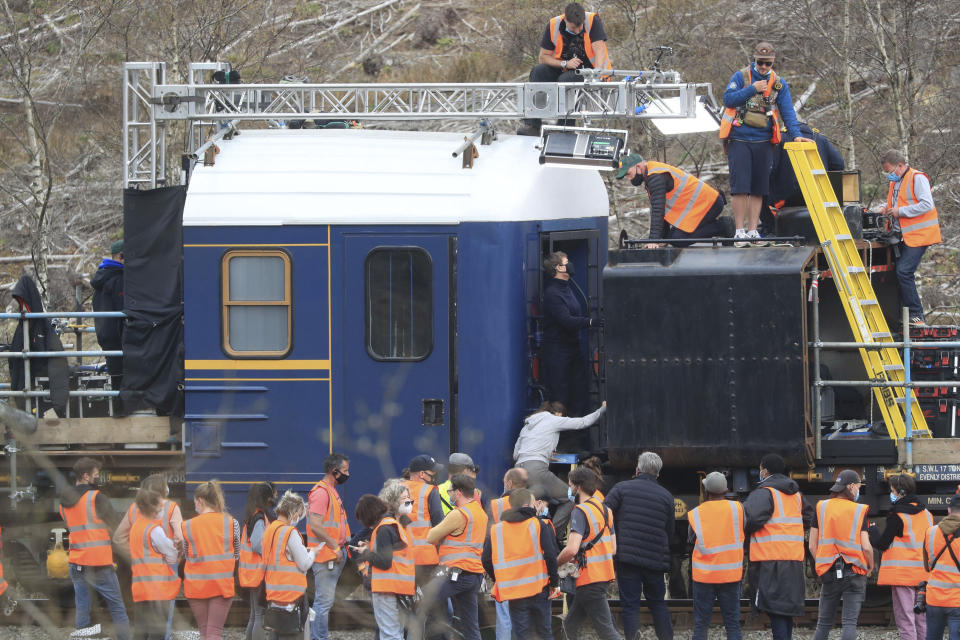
(399, 303)
(256, 303)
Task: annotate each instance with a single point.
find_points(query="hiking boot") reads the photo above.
(86, 632)
(740, 238)
(917, 321)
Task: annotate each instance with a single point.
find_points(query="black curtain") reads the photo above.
(153, 300)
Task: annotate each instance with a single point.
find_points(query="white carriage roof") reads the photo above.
(357, 176)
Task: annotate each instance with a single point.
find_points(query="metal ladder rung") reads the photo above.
(893, 367)
(880, 334)
(843, 236)
(868, 301)
(831, 205)
(818, 172)
(856, 270)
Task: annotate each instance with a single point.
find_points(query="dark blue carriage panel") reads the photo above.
(265, 412)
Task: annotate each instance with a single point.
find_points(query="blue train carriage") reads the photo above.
(360, 291)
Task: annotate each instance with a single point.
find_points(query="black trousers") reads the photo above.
(709, 226)
(546, 73)
(564, 370)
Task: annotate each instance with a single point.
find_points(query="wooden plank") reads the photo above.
(931, 451)
(114, 431)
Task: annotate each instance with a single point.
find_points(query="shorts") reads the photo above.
(751, 164)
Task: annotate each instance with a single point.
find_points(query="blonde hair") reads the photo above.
(391, 493)
(290, 505)
(212, 495)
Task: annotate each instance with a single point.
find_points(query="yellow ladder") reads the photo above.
(856, 292)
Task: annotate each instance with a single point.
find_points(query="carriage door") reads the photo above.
(399, 385)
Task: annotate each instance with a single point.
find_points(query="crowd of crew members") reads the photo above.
(426, 568)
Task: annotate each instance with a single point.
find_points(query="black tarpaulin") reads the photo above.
(153, 300)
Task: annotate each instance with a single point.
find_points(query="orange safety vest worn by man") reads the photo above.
(427, 513)
(775, 516)
(943, 584)
(716, 531)
(90, 517)
(208, 572)
(910, 201)
(460, 539)
(687, 206)
(842, 551)
(571, 43)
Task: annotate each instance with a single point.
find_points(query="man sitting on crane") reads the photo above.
(574, 40)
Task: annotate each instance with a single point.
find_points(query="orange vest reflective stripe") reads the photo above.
(902, 563)
(497, 507)
(463, 551)
(334, 522)
(89, 536)
(208, 572)
(840, 522)
(400, 578)
(688, 201)
(732, 117)
(153, 579)
(781, 537)
(285, 583)
(918, 231)
(166, 513)
(252, 567)
(943, 584)
(518, 565)
(596, 60)
(424, 553)
(599, 559)
(3, 583)
(718, 553)
(598, 495)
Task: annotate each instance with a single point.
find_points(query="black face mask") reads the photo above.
(637, 180)
(571, 271)
(341, 477)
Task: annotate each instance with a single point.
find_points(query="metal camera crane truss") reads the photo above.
(213, 110)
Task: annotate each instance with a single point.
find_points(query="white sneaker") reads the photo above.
(754, 235)
(741, 233)
(86, 632)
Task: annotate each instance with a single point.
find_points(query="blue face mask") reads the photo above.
(856, 496)
(893, 177)
(571, 495)
(544, 512)
(567, 29)
(893, 497)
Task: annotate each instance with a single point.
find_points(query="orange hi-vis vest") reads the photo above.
(595, 60)
(424, 553)
(718, 553)
(497, 507)
(401, 577)
(3, 583)
(208, 572)
(689, 200)
(166, 512)
(464, 551)
(918, 231)
(599, 559)
(902, 563)
(285, 583)
(943, 584)
(781, 537)
(153, 579)
(518, 565)
(732, 116)
(840, 521)
(252, 567)
(334, 522)
(89, 536)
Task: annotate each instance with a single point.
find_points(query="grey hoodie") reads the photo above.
(541, 432)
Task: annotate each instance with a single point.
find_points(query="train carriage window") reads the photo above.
(257, 303)
(399, 303)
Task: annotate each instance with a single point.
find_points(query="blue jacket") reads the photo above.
(739, 91)
(644, 516)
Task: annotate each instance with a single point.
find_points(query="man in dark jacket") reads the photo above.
(644, 513)
(107, 286)
(564, 365)
(779, 583)
(529, 615)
